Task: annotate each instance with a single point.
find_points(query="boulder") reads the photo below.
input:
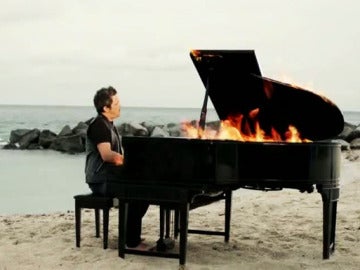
(355, 143)
(150, 126)
(31, 137)
(81, 129)
(11, 146)
(132, 129)
(355, 133)
(70, 144)
(16, 134)
(46, 137)
(214, 125)
(348, 128)
(66, 131)
(174, 130)
(159, 132)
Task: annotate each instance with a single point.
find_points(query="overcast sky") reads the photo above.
(61, 52)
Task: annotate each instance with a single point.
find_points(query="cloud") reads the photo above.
(70, 47)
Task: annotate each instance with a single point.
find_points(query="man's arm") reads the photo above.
(108, 155)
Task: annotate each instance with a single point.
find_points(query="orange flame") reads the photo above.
(236, 128)
(200, 55)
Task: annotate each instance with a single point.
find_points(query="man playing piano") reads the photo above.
(104, 153)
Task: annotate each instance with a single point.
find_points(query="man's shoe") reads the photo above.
(164, 244)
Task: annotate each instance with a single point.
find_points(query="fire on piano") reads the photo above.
(173, 172)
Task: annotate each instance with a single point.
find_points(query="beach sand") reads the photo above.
(269, 230)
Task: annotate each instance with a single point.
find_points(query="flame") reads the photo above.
(239, 128)
(309, 86)
(200, 56)
(289, 80)
(196, 54)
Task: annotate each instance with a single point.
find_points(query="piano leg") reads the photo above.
(176, 224)
(228, 195)
(184, 222)
(330, 197)
(123, 206)
(165, 220)
(168, 221)
(162, 221)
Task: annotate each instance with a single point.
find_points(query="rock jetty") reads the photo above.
(72, 140)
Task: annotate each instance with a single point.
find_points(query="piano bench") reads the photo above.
(91, 201)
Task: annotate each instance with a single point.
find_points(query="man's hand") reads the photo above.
(118, 159)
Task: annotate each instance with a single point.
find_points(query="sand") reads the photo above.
(269, 230)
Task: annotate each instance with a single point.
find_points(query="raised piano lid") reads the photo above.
(235, 86)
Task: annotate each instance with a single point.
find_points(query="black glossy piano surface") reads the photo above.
(215, 164)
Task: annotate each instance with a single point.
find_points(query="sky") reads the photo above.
(60, 52)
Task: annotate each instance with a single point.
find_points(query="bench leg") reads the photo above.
(106, 226)
(77, 224)
(97, 223)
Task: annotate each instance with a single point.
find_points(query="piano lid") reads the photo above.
(235, 86)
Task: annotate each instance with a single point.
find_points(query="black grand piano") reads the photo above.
(176, 173)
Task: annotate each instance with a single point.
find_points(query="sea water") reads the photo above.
(44, 181)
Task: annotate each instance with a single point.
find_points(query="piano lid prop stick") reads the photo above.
(202, 120)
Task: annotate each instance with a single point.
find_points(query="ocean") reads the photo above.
(44, 181)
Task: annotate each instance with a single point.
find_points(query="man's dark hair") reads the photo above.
(103, 98)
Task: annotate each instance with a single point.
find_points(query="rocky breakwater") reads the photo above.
(72, 140)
